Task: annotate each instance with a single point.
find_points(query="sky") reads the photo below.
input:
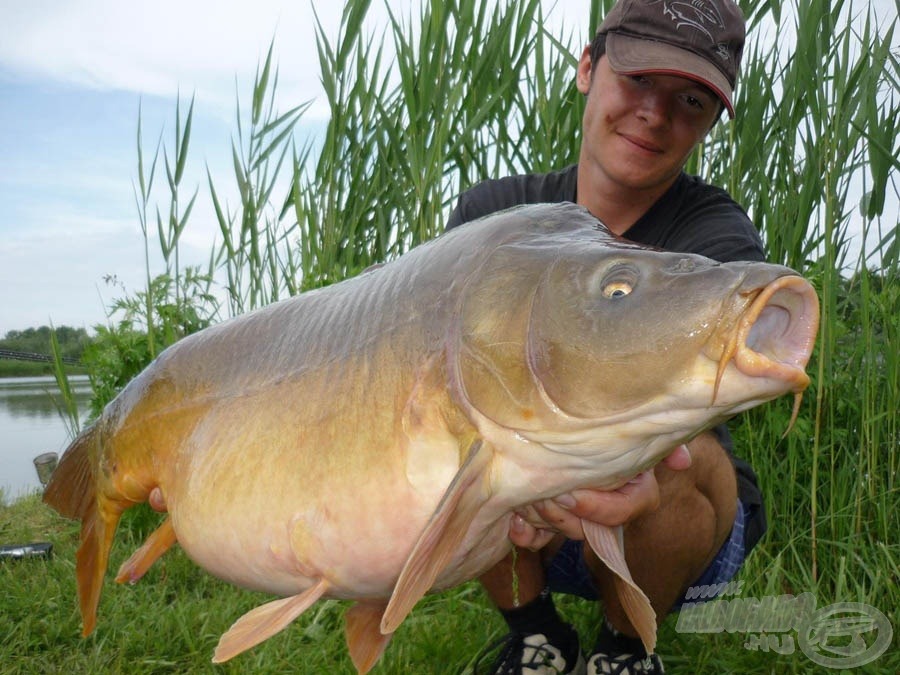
(73, 74)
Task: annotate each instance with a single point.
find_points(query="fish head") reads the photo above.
(586, 340)
(634, 325)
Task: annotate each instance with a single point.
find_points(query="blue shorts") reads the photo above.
(568, 572)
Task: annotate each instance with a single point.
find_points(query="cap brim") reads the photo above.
(635, 56)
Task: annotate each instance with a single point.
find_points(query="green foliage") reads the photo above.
(121, 350)
(813, 122)
(68, 409)
(15, 368)
(255, 254)
(72, 343)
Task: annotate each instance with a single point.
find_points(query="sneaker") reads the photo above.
(624, 664)
(531, 655)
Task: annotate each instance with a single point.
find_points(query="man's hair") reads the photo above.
(598, 49)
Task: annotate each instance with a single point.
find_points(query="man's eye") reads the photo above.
(693, 102)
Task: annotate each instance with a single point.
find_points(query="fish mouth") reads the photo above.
(775, 336)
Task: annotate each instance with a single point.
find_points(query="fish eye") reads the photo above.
(618, 282)
(617, 289)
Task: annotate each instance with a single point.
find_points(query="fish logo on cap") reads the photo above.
(696, 14)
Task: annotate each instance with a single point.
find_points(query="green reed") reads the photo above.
(813, 157)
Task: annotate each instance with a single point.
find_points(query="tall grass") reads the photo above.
(463, 90)
(814, 159)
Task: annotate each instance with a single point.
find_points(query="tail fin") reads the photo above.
(72, 491)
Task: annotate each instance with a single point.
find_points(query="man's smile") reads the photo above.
(642, 144)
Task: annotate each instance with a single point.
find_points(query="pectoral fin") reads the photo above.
(264, 621)
(607, 544)
(443, 534)
(157, 543)
(365, 641)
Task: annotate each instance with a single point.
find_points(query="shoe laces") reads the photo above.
(625, 664)
(520, 654)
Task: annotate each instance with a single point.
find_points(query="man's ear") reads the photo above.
(585, 72)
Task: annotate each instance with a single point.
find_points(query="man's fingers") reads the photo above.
(525, 535)
(637, 497)
(679, 459)
(555, 513)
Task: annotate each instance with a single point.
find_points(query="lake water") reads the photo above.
(30, 425)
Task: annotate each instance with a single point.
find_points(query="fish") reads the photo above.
(369, 441)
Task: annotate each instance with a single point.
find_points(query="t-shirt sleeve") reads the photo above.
(499, 194)
(485, 198)
(482, 199)
(702, 219)
(722, 231)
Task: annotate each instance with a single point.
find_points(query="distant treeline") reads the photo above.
(72, 343)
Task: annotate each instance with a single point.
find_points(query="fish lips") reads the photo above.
(774, 336)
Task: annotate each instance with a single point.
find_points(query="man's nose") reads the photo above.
(655, 108)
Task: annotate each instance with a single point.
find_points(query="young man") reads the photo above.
(656, 78)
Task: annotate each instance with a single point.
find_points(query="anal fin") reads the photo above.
(263, 622)
(443, 534)
(365, 641)
(607, 545)
(97, 529)
(140, 561)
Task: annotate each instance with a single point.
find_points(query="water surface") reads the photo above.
(30, 425)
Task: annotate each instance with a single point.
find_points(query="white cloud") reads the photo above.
(56, 272)
(195, 45)
(159, 47)
(152, 48)
(53, 274)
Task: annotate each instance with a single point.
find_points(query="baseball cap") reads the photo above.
(701, 40)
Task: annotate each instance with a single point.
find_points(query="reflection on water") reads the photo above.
(30, 424)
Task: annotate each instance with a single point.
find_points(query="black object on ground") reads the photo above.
(41, 549)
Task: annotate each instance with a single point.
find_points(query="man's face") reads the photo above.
(639, 130)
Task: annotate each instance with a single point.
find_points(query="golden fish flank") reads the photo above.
(479, 373)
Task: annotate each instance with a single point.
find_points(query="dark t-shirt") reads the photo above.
(691, 217)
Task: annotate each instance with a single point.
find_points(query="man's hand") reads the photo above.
(534, 526)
